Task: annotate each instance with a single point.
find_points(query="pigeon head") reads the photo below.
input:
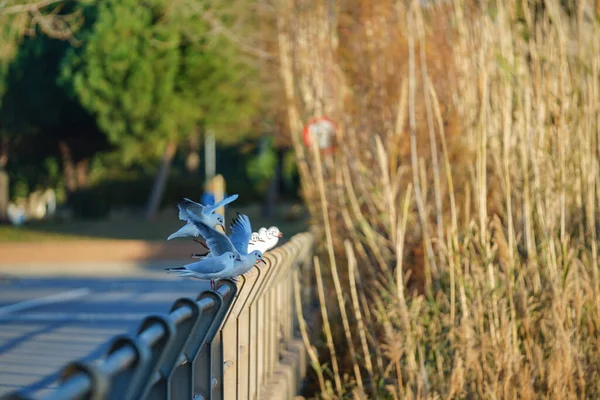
(216, 219)
(274, 232)
(258, 256)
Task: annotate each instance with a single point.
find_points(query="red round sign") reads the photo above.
(321, 130)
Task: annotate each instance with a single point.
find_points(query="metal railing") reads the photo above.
(237, 342)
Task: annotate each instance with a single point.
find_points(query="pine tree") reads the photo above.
(151, 73)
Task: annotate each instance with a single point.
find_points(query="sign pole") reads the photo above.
(209, 155)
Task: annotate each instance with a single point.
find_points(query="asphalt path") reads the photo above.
(48, 321)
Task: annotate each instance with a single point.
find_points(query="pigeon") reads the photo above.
(269, 238)
(211, 268)
(196, 212)
(237, 243)
(263, 240)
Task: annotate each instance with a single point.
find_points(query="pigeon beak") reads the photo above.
(280, 235)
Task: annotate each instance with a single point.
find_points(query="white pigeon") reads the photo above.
(258, 242)
(209, 268)
(270, 237)
(218, 243)
(200, 213)
(263, 240)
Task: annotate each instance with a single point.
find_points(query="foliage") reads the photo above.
(33, 104)
(91, 73)
(21, 189)
(289, 169)
(19, 18)
(261, 167)
(160, 83)
(37, 114)
(126, 84)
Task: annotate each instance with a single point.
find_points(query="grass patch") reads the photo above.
(128, 226)
(28, 234)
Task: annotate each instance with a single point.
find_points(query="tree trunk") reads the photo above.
(3, 153)
(161, 180)
(68, 166)
(81, 170)
(192, 161)
(273, 189)
(4, 195)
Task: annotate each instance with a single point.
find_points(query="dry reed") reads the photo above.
(463, 194)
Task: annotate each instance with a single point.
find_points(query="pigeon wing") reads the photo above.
(262, 233)
(225, 201)
(212, 265)
(217, 242)
(189, 210)
(241, 232)
(189, 229)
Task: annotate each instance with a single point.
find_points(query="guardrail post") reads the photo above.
(260, 341)
(215, 348)
(201, 374)
(216, 367)
(176, 353)
(275, 313)
(127, 377)
(157, 353)
(281, 383)
(253, 350)
(243, 371)
(259, 326)
(273, 323)
(232, 335)
(245, 336)
(263, 309)
(250, 313)
(182, 379)
(276, 380)
(99, 381)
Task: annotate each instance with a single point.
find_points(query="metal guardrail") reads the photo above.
(237, 342)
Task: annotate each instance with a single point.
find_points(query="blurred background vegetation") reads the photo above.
(109, 104)
(456, 219)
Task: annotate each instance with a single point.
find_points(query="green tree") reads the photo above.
(39, 119)
(151, 74)
(19, 18)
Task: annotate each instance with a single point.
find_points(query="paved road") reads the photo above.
(46, 322)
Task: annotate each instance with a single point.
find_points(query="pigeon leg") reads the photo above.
(201, 243)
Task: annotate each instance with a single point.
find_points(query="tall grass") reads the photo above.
(458, 216)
